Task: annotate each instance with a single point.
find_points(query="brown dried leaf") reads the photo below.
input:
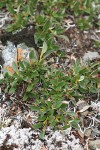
(84, 108)
(43, 148)
(10, 69)
(20, 53)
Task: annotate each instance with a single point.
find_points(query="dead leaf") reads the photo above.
(20, 53)
(88, 132)
(85, 113)
(78, 135)
(54, 65)
(94, 143)
(19, 57)
(82, 105)
(84, 108)
(43, 148)
(10, 69)
(96, 75)
(80, 102)
(72, 57)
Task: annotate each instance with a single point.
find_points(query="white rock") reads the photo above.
(90, 56)
(59, 138)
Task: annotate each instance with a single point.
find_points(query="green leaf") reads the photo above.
(31, 8)
(42, 118)
(66, 127)
(10, 9)
(71, 113)
(42, 135)
(37, 125)
(48, 53)
(46, 25)
(40, 19)
(51, 118)
(57, 104)
(25, 97)
(49, 103)
(34, 108)
(31, 55)
(53, 124)
(12, 90)
(19, 20)
(63, 106)
(29, 88)
(3, 4)
(1, 81)
(26, 64)
(44, 49)
(21, 64)
(7, 89)
(15, 67)
(74, 123)
(14, 83)
(19, 2)
(64, 37)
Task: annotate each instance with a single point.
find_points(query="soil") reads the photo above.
(79, 41)
(26, 36)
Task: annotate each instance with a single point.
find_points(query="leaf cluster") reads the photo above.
(48, 17)
(49, 14)
(85, 12)
(51, 89)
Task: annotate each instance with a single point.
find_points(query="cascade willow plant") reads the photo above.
(49, 12)
(48, 17)
(50, 89)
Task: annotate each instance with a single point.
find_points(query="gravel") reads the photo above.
(27, 139)
(17, 136)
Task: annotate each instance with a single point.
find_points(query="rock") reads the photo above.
(88, 132)
(26, 35)
(11, 53)
(96, 106)
(94, 144)
(90, 56)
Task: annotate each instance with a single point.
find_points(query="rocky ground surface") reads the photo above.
(16, 119)
(17, 134)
